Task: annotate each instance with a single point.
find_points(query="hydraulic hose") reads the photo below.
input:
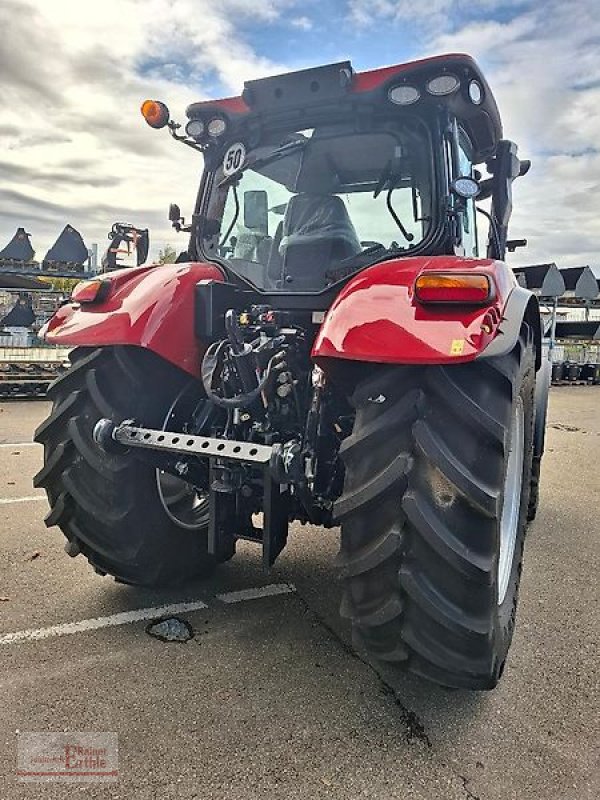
(245, 362)
(212, 363)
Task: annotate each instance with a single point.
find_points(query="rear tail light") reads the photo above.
(440, 287)
(93, 291)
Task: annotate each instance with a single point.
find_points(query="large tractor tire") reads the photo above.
(542, 385)
(534, 490)
(434, 512)
(125, 517)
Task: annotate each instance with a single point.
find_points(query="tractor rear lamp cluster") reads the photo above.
(195, 128)
(438, 287)
(216, 127)
(201, 129)
(93, 291)
(442, 85)
(405, 94)
(475, 93)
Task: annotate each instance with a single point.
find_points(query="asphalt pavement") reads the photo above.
(268, 699)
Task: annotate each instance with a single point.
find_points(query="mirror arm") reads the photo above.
(486, 189)
(506, 166)
(174, 127)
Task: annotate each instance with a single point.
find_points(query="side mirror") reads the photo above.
(177, 221)
(256, 211)
(486, 189)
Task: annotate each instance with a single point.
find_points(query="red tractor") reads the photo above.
(332, 348)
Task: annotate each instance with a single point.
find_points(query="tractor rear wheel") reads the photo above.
(124, 516)
(434, 512)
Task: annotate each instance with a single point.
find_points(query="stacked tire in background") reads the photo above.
(571, 372)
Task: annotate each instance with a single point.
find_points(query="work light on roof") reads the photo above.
(195, 128)
(216, 127)
(475, 93)
(442, 85)
(466, 187)
(404, 95)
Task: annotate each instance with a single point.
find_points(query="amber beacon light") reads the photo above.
(453, 288)
(155, 113)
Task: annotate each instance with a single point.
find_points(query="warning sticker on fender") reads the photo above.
(457, 347)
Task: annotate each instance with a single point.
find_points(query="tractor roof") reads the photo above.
(297, 97)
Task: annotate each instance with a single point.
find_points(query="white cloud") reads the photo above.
(303, 23)
(74, 146)
(435, 14)
(542, 62)
(544, 70)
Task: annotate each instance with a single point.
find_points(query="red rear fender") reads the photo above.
(151, 307)
(376, 317)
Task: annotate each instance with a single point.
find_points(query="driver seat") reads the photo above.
(316, 232)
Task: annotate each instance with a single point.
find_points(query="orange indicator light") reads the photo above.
(92, 291)
(437, 287)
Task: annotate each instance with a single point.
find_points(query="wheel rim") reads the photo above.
(182, 502)
(511, 504)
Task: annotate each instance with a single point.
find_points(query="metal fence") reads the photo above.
(28, 371)
(27, 364)
(579, 353)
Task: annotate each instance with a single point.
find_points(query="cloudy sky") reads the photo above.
(75, 148)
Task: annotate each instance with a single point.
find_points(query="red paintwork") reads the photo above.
(152, 307)
(361, 81)
(377, 318)
(374, 318)
(367, 81)
(236, 105)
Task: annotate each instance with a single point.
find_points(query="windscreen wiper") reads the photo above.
(390, 177)
(257, 163)
(388, 201)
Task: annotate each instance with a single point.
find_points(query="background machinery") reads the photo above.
(30, 294)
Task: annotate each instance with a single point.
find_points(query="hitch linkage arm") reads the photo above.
(155, 445)
(112, 438)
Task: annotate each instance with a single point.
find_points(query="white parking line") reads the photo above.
(140, 614)
(20, 444)
(255, 594)
(6, 500)
(101, 622)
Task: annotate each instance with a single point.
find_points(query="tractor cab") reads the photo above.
(313, 175)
